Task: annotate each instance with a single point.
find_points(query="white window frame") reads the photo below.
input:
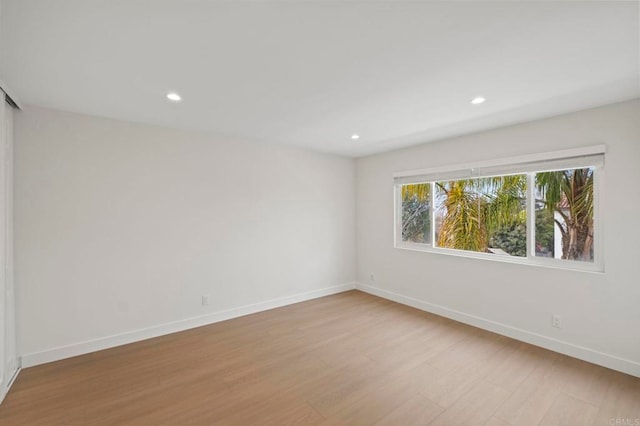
(509, 166)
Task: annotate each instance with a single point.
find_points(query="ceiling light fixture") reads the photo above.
(354, 136)
(173, 96)
(478, 100)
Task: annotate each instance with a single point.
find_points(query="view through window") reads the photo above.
(490, 214)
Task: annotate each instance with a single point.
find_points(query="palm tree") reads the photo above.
(416, 220)
(569, 193)
(472, 210)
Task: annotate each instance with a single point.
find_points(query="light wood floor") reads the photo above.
(349, 359)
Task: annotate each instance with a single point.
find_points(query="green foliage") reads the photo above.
(416, 219)
(512, 239)
(544, 232)
(473, 210)
(475, 214)
(465, 215)
(569, 193)
(418, 191)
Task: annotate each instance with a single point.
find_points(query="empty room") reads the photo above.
(319, 212)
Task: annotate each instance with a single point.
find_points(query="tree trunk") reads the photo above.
(577, 242)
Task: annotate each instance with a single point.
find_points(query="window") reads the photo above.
(416, 213)
(483, 215)
(538, 209)
(564, 207)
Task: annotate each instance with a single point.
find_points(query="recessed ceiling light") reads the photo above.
(478, 100)
(173, 96)
(354, 136)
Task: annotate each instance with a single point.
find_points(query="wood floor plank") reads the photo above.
(621, 402)
(567, 411)
(528, 404)
(494, 421)
(417, 410)
(586, 381)
(516, 367)
(345, 359)
(373, 403)
(475, 407)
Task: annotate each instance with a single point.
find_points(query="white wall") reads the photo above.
(120, 227)
(601, 314)
(8, 355)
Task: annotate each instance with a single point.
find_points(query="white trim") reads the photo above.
(397, 214)
(530, 158)
(597, 265)
(531, 218)
(10, 94)
(598, 234)
(81, 348)
(5, 391)
(432, 213)
(571, 265)
(576, 351)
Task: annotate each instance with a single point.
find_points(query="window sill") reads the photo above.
(568, 265)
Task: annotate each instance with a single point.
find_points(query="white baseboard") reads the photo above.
(606, 360)
(81, 348)
(570, 349)
(5, 390)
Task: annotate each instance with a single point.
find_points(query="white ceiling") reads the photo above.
(310, 74)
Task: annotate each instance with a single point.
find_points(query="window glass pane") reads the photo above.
(416, 215)
(486, 215)
(564, 214)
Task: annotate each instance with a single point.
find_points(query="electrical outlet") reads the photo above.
(205, 300)
(556, 321)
